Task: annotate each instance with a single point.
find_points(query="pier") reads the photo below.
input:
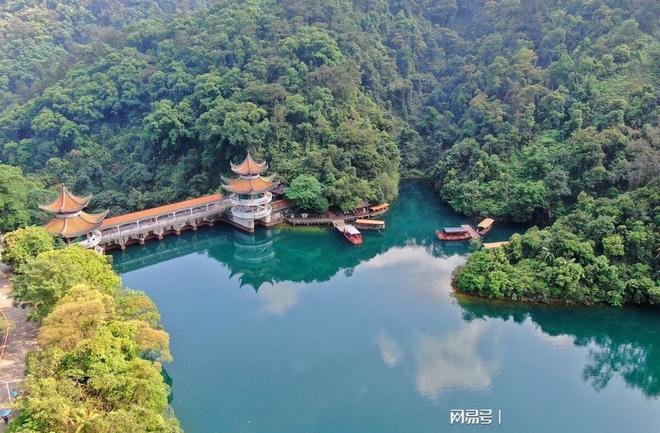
(329, 218)
(472, 232)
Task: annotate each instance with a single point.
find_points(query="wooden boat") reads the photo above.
(348, 231)
(452, 234)
(352, 234)
(461, 233)
(379, 209)
(368, 224)
(484, 226)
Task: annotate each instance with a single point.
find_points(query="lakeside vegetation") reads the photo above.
(604, 251)
(100, 346)
(514, 110)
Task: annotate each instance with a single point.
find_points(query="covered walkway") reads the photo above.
(154, 223)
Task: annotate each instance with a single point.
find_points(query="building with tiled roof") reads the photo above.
(69, 220)
(249, 167)
(66, 202)
(250, 194)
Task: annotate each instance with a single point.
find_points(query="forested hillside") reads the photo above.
(512, 108)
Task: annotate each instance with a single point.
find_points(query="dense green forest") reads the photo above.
(542, 112)
(97, 367)
(512, 109)
(606, 250)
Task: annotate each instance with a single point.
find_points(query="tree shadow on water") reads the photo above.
(622, 342)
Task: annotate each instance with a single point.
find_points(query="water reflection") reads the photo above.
(455, 354)
(390, 350)
(622, 342)
(278, 299)
(452, 362)
(314, 254)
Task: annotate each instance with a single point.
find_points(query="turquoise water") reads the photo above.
(296, 331)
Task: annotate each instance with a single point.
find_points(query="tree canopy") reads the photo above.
(26, 243)
(18, 195)
(604, 251)
(307, 192)
(98, 364)
(44, 280)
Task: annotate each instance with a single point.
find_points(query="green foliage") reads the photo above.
(157, 114)
(603, 251)
(98, 367)
(39, 38)
(17, 208)
(307, 192)
(26, 243)
(43, 281)
(512, 111)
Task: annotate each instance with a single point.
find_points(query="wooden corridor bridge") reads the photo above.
(155, 223)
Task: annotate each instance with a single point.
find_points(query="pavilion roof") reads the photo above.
(254, 185)
(249, 166)
(66, 202)
(75, 225)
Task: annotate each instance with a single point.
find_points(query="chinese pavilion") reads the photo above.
(70, 221)
(250, 193)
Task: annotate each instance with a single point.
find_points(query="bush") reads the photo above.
(26, 243)
(307, 192)
(43, 281)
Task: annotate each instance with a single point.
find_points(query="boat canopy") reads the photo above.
(378, 207)
(370, 222)
(454, 230)
(351, 230)
(486, 223)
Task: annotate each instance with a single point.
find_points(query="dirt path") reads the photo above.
(20, 338)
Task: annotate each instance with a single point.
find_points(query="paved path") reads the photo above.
(21, 337)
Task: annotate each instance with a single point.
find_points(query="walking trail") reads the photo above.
(16, 341)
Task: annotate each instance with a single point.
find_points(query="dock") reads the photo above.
(490, 245)
(473, 233)
(175, 218)
(329, 218)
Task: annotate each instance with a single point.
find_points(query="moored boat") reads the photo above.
(453, 234)
(379, 209)
(352, 234)
(484, 226)
(369, 224)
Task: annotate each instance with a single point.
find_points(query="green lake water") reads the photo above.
(293, 330)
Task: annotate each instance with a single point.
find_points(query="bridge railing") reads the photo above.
(146, 225)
